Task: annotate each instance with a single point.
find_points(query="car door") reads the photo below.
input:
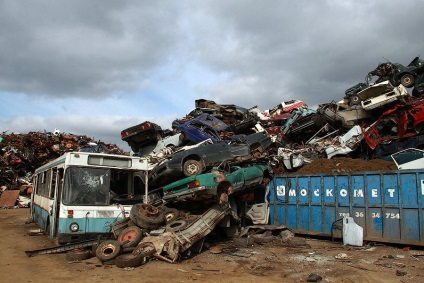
(253, 175)
(215, 153)
(236, 178)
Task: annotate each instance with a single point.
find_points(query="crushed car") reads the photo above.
(229, 113)
(218, 184)
(376, 95)
(203, 127)
(138, 136)
(340, 114)
(399, 74)
(288, 159)
(401, 121)
(345, 144)
(410, 158)
(381, 94)
(419, 86)
(388, 147)
(204, 156)
(285, 107)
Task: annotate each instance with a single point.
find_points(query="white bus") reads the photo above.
(78, 195)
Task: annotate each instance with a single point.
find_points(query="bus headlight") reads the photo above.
(74, 227)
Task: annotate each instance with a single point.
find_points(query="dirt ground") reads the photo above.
(268, 262)
(342, 165)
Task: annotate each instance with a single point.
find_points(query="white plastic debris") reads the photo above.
(353, 234)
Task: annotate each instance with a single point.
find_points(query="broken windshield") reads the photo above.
(86, 186)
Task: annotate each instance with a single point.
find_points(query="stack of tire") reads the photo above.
(127, 250)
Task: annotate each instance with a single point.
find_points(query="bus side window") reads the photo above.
(53, 183)
(60, 184)
(44, 186)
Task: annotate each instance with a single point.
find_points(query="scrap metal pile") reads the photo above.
(213, 167)
(167, 233)
(215, 163)
(372, 120)
(21, 154)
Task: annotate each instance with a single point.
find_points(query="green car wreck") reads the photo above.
(218, 184)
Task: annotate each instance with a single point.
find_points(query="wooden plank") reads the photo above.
(8, 198)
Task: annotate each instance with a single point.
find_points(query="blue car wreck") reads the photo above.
(203, 127)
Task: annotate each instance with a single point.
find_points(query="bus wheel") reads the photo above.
(108, 250)
(129, 260)
(130, 236)
(78, 255)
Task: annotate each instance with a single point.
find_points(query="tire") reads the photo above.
(108, 250)
(128, 260)
(192, 167)
(144, 249)
(128, 250)
(407, 80)
(147, 216)
(176, 226)
(131, 223)
(130, 237)
(78, 255)
(171, 214)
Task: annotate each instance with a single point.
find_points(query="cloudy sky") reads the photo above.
(97, 67)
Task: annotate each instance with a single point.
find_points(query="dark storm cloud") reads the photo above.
(132, 58)
(83, 48)
(310, 50)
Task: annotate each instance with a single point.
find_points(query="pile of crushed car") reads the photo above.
(21, 154)
(214, 165)
(373, 120)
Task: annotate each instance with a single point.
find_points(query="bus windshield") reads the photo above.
(87, 186)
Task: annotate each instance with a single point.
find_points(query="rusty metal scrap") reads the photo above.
(21, 154)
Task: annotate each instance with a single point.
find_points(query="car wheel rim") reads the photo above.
(129, 236)
(108, 249)
(192, 169)
(148, 211)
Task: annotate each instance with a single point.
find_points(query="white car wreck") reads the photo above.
(381, 94)
(343, 145)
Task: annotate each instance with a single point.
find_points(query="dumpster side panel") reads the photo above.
(388, 205)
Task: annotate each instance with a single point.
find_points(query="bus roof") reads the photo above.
(97, 159)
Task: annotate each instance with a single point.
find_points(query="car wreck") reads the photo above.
(143, 134)
(340, 114)
(399, 74)
(401, 121)
(221, 182)
(196, 160)
(225, 167)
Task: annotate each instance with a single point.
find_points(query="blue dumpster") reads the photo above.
(389, 205)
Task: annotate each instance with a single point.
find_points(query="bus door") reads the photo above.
(55, 193)
(34, 190)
